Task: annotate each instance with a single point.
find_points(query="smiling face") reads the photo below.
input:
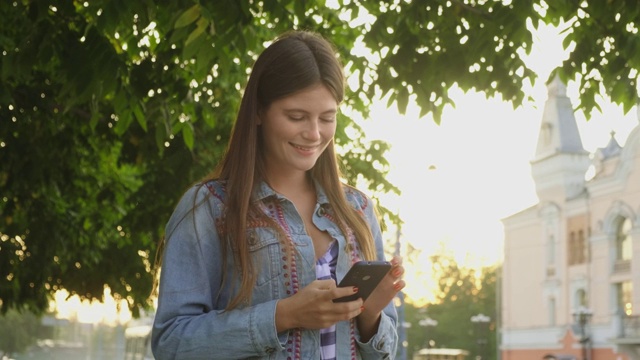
(296, 130)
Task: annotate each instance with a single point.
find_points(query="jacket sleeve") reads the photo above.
(190, 321)
(384, 343)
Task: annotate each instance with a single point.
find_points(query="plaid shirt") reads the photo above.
(326, 269)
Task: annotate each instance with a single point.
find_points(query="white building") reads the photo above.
(577, 249)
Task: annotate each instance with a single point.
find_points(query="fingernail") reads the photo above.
(361, 308)
(355, 289)
(397, 287)
(396, 272)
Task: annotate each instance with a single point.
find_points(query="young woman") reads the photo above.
(252, 255)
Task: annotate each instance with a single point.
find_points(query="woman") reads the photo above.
(253, 253)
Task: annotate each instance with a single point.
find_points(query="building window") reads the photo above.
(577, 248)
(581, 300)
(581, 248)
(623, 240)
(552, 312)
(551, 256)
(573, 248)
(551, 251)
(624, 293)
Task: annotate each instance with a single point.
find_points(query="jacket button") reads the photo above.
(321, 211)
(252, 238)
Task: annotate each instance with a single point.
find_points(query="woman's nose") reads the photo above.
(313, 129)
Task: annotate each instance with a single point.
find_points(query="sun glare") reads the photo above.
(108, 311)
(459, 179)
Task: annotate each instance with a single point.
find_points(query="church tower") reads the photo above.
(560, 161)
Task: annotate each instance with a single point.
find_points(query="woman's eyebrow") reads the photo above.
(330, 111)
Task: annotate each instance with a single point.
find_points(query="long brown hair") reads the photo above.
(293, 62)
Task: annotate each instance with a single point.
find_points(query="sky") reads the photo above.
(460, 178)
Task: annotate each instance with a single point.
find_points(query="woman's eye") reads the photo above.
(328, 120)
(296, 118)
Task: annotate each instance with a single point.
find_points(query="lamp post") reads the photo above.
(581, 317)
(481, 322)
(426, 323)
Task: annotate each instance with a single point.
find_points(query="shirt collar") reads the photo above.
(264, 191)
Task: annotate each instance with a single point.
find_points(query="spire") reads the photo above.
(612, 148)
(558, 130)
(560, 162)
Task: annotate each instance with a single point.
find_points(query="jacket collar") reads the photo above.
(263, 191)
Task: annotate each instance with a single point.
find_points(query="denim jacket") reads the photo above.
(191, 322)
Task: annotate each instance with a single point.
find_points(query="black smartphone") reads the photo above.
(365, 275)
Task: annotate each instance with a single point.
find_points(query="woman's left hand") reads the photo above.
(384, 293)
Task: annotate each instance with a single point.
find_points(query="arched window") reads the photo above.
(581, 300)
(623, 239)
(551, 250)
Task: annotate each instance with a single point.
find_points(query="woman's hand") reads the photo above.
(376, 302)
(313, 307)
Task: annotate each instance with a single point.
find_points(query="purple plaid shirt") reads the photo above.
(326, 269)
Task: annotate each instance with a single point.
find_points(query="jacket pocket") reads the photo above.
(266, 254)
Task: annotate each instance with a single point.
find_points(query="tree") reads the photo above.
(425, 48)
(110, 109)
(18, 330)
(461, 293)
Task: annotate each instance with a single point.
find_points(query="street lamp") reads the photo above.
(426, 323)
(582, 316)
(481, 322)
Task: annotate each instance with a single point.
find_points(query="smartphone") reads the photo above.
(365, 275)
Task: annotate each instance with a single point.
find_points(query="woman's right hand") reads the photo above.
(313, 307)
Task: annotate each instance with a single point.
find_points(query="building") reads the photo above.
(577, 252)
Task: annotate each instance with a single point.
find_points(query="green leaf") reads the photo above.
(188, 17)
(161, 136)
(403, 100)
(204, 59)
(139, 115)
(200, 28)
(187, 135)
(208, 117)
(195, 45)
(124, 120)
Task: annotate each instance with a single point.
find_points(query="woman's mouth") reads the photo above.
(304, 148)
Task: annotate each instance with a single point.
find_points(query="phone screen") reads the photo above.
(365, 275)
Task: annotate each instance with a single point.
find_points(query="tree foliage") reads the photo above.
(18, 330)
(110, 109)
(462, 293)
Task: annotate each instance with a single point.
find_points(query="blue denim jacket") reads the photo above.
(190, 321)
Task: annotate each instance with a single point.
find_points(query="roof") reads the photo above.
(612, 148)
